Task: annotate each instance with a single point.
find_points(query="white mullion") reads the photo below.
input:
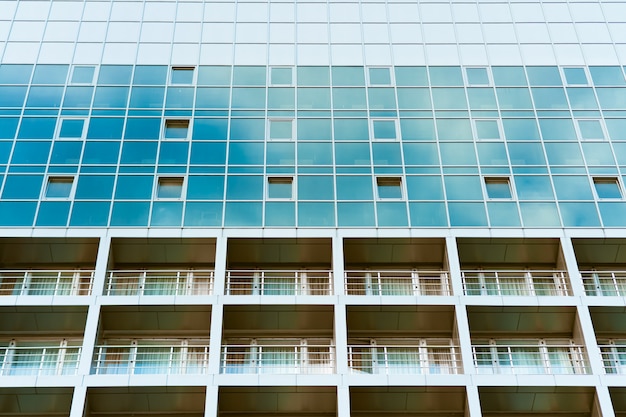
(415, 282)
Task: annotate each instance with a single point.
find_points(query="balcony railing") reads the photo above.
(614, 356)
(40, 282)
(529, 358)
(409, 282)
(159, 282)
(278, 282)
(39, 360)
(157, 358)
(515, 283)
(604, 283)
(279, 357)
(404, 359)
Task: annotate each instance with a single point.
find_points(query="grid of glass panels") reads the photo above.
(93, 146)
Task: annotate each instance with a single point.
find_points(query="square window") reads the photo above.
(384, 129)
(498, 188)
(379, 76)
(176, 129)
(389, 187)
(280, 187)
(487, 129)
(590, 129)
(72, 128)
(477, 76)
(82, 75)
(607, 187)
(170, 187)
(59, 187)
(182, 75)
(281, 129)
(575, 76)
(281, 76)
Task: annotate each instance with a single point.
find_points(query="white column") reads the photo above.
(603, 402)
(215, 345)
(102, 265)
(210, 405)
(473, 402)
(220, 265)
(343, 401)
(569, 259)
(89, 339)
(341, 333)
(452, 253)
(79, 402)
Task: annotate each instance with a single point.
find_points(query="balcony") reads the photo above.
(613, 356)
(533, 357)
(40, 358)
(159, 282)
(278, 356)
(417, 356)
(278, 282)
(604, 283)
(515, 283)
(411, 283)
(44, 282)
(140, 357)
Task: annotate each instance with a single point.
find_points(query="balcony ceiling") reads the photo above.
(609, 321)
(39, 321)
(499, 401)
(595, 252)
(279, 252)
(530, 321)
(234, 401)
(35, 401)
(154, 400)
(283, 320)
(402, 321)
(422, 401)
(155, 321)
(28, 253)
(413, 252)
(519, 252)
(139, 252)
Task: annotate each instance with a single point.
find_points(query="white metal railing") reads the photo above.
(46, 282)
(511, 283)
(280, 356)
(419, 358)
(604, 283)
(613, 356)
(40, 359)
(157, 357)
(159, 282)
(279, 282)
(524, 357)
(398, 282)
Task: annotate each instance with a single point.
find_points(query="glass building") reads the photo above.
(317, 208)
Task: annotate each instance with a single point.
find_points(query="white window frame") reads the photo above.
(269, 76)
(182, 68)
(396, 123)
(175, 120)
(615, 180)
(467, 80)
(281, 119)
(389, 179)
(83, 134)
(166, 178)
(52, 178)
(94, 76)
(278, 179)
(566, 84)
(391, 79)
(486, 119)
(584, 119)
(498, 179)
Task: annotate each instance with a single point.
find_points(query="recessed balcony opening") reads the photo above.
(396, 266)
(151, 267)
(35, 402)
(609, 324)
(618, 398)
(152, 340)
(538, 401)
(403, 340)
(270, 401)
(279, 266)
(513, 267)
(278, 339)
(41, 341)
(602, 265)
(428, 401)
(47, 266)
(527, 340)
(170, 401)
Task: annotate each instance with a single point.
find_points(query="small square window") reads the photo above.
(379, 76)
(281, 76)
(575, 76)
(83, 75)
(170, 187)
(487, 129)
(389, 187)
(477, 76)
(498, 188)
(182, 75)
(607, 187)
(590, 129)
(72, 128)
(280, 187)
(59, 187)
(384, 129)
(176, 129)
(281, 129)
